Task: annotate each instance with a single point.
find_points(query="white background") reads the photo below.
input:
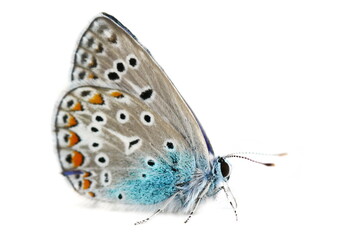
(260, 75)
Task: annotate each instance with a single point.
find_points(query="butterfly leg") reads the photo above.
(198, 200)
(232, 201)
(159, 210)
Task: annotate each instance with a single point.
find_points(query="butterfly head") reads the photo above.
(224, 167)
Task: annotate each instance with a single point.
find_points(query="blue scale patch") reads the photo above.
(156, 182)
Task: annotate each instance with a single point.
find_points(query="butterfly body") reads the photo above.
(124, 133)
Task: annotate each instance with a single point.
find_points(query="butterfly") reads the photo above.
(124, 133)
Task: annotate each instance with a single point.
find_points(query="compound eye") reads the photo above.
(225, 168)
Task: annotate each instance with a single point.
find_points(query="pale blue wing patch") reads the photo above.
(153, 183)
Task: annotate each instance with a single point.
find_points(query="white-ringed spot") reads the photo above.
(102, 160)
(122, 116)
(147, 118)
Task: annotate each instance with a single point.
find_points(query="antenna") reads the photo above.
(262, 154)
(249, 159)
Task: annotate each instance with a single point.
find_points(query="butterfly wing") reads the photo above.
(124, 133)
(109, 52)
(114, 147)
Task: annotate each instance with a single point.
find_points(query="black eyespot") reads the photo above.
(122, 116)
(81, 75)
(120, 196)
(120, 67)
(93, 129)
(70, 103)
(101, 159)
(85, 93)
(147, 118)
(225, 169)
(68, 158)
(113, 76)
(66, 137)
(146, 94)
(170, 145)
(151, 162)
(143, 175)
(99, 119)
(65, 117)
(95, 144)
(133, 62)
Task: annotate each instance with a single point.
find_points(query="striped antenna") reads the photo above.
(249, 159)
(262, 154)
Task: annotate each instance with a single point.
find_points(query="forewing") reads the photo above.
(109, 53)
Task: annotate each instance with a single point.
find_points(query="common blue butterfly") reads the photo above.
(125, 134)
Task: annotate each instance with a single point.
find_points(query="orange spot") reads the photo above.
(92, 76)
(73, 139)
(77, 107)
(77, 159)
(91, 194)
(87, 174)
(93, 63)
(117, 94)
(96, 99)
(72, 121)
(86, 184)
